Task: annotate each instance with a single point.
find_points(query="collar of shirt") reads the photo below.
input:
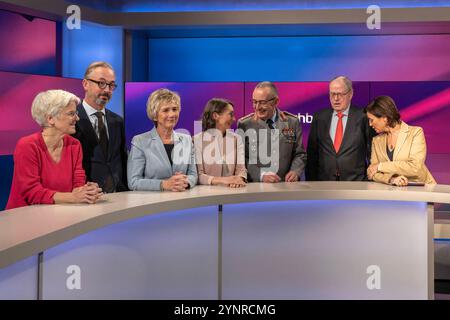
(90, 111)
(93, 118)
(275, 116)
(345, 112)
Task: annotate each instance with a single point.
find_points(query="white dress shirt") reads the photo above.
(93, 118)
(334, 122)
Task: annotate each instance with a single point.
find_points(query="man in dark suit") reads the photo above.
(340, 138)
(101, 131)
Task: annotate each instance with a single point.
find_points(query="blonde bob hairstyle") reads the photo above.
(157, 99)
(50, 103)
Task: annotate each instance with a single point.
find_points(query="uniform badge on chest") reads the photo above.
(288, 134)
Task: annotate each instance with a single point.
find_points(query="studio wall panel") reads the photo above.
(307, 58)
(94, 42)
(28, 44)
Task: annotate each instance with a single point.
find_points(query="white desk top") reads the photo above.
(29, 230)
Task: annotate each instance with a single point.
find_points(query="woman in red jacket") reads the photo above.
(48, 164)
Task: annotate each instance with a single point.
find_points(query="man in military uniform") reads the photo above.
(273, 139)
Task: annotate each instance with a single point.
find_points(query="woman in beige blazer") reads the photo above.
(219, 152)
(398, 151)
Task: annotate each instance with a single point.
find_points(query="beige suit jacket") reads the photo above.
(219, 156)
(409, 156)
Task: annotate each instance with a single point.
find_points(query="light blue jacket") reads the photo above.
(148, 163)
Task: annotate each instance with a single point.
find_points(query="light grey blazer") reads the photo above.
(148, 163)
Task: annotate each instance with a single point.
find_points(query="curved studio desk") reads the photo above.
(318, 240)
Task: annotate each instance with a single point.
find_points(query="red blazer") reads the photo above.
(37, 177)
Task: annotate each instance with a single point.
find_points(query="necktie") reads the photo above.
(339, 133)
(270, 123)
(108, 183)
(103, 137)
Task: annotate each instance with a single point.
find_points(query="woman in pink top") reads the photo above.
(219, 152)
(48, 164)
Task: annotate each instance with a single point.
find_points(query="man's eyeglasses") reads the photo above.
(339, 95)
(102, 84)
(261, 102)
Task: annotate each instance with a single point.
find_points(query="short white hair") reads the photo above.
(157, 98)
(50, 103)
(267, 84)
(347, 82)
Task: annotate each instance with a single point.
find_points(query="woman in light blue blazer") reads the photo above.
(162, 159)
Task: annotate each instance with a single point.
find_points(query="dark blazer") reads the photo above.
(97, 167)
(350, 163)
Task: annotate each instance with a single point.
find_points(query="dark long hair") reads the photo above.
(216, 105)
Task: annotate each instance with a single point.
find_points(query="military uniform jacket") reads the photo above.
(278, 150)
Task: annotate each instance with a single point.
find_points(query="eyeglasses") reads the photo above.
(339, 95)
(102, 84)
(261, 102)
(72, 114)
